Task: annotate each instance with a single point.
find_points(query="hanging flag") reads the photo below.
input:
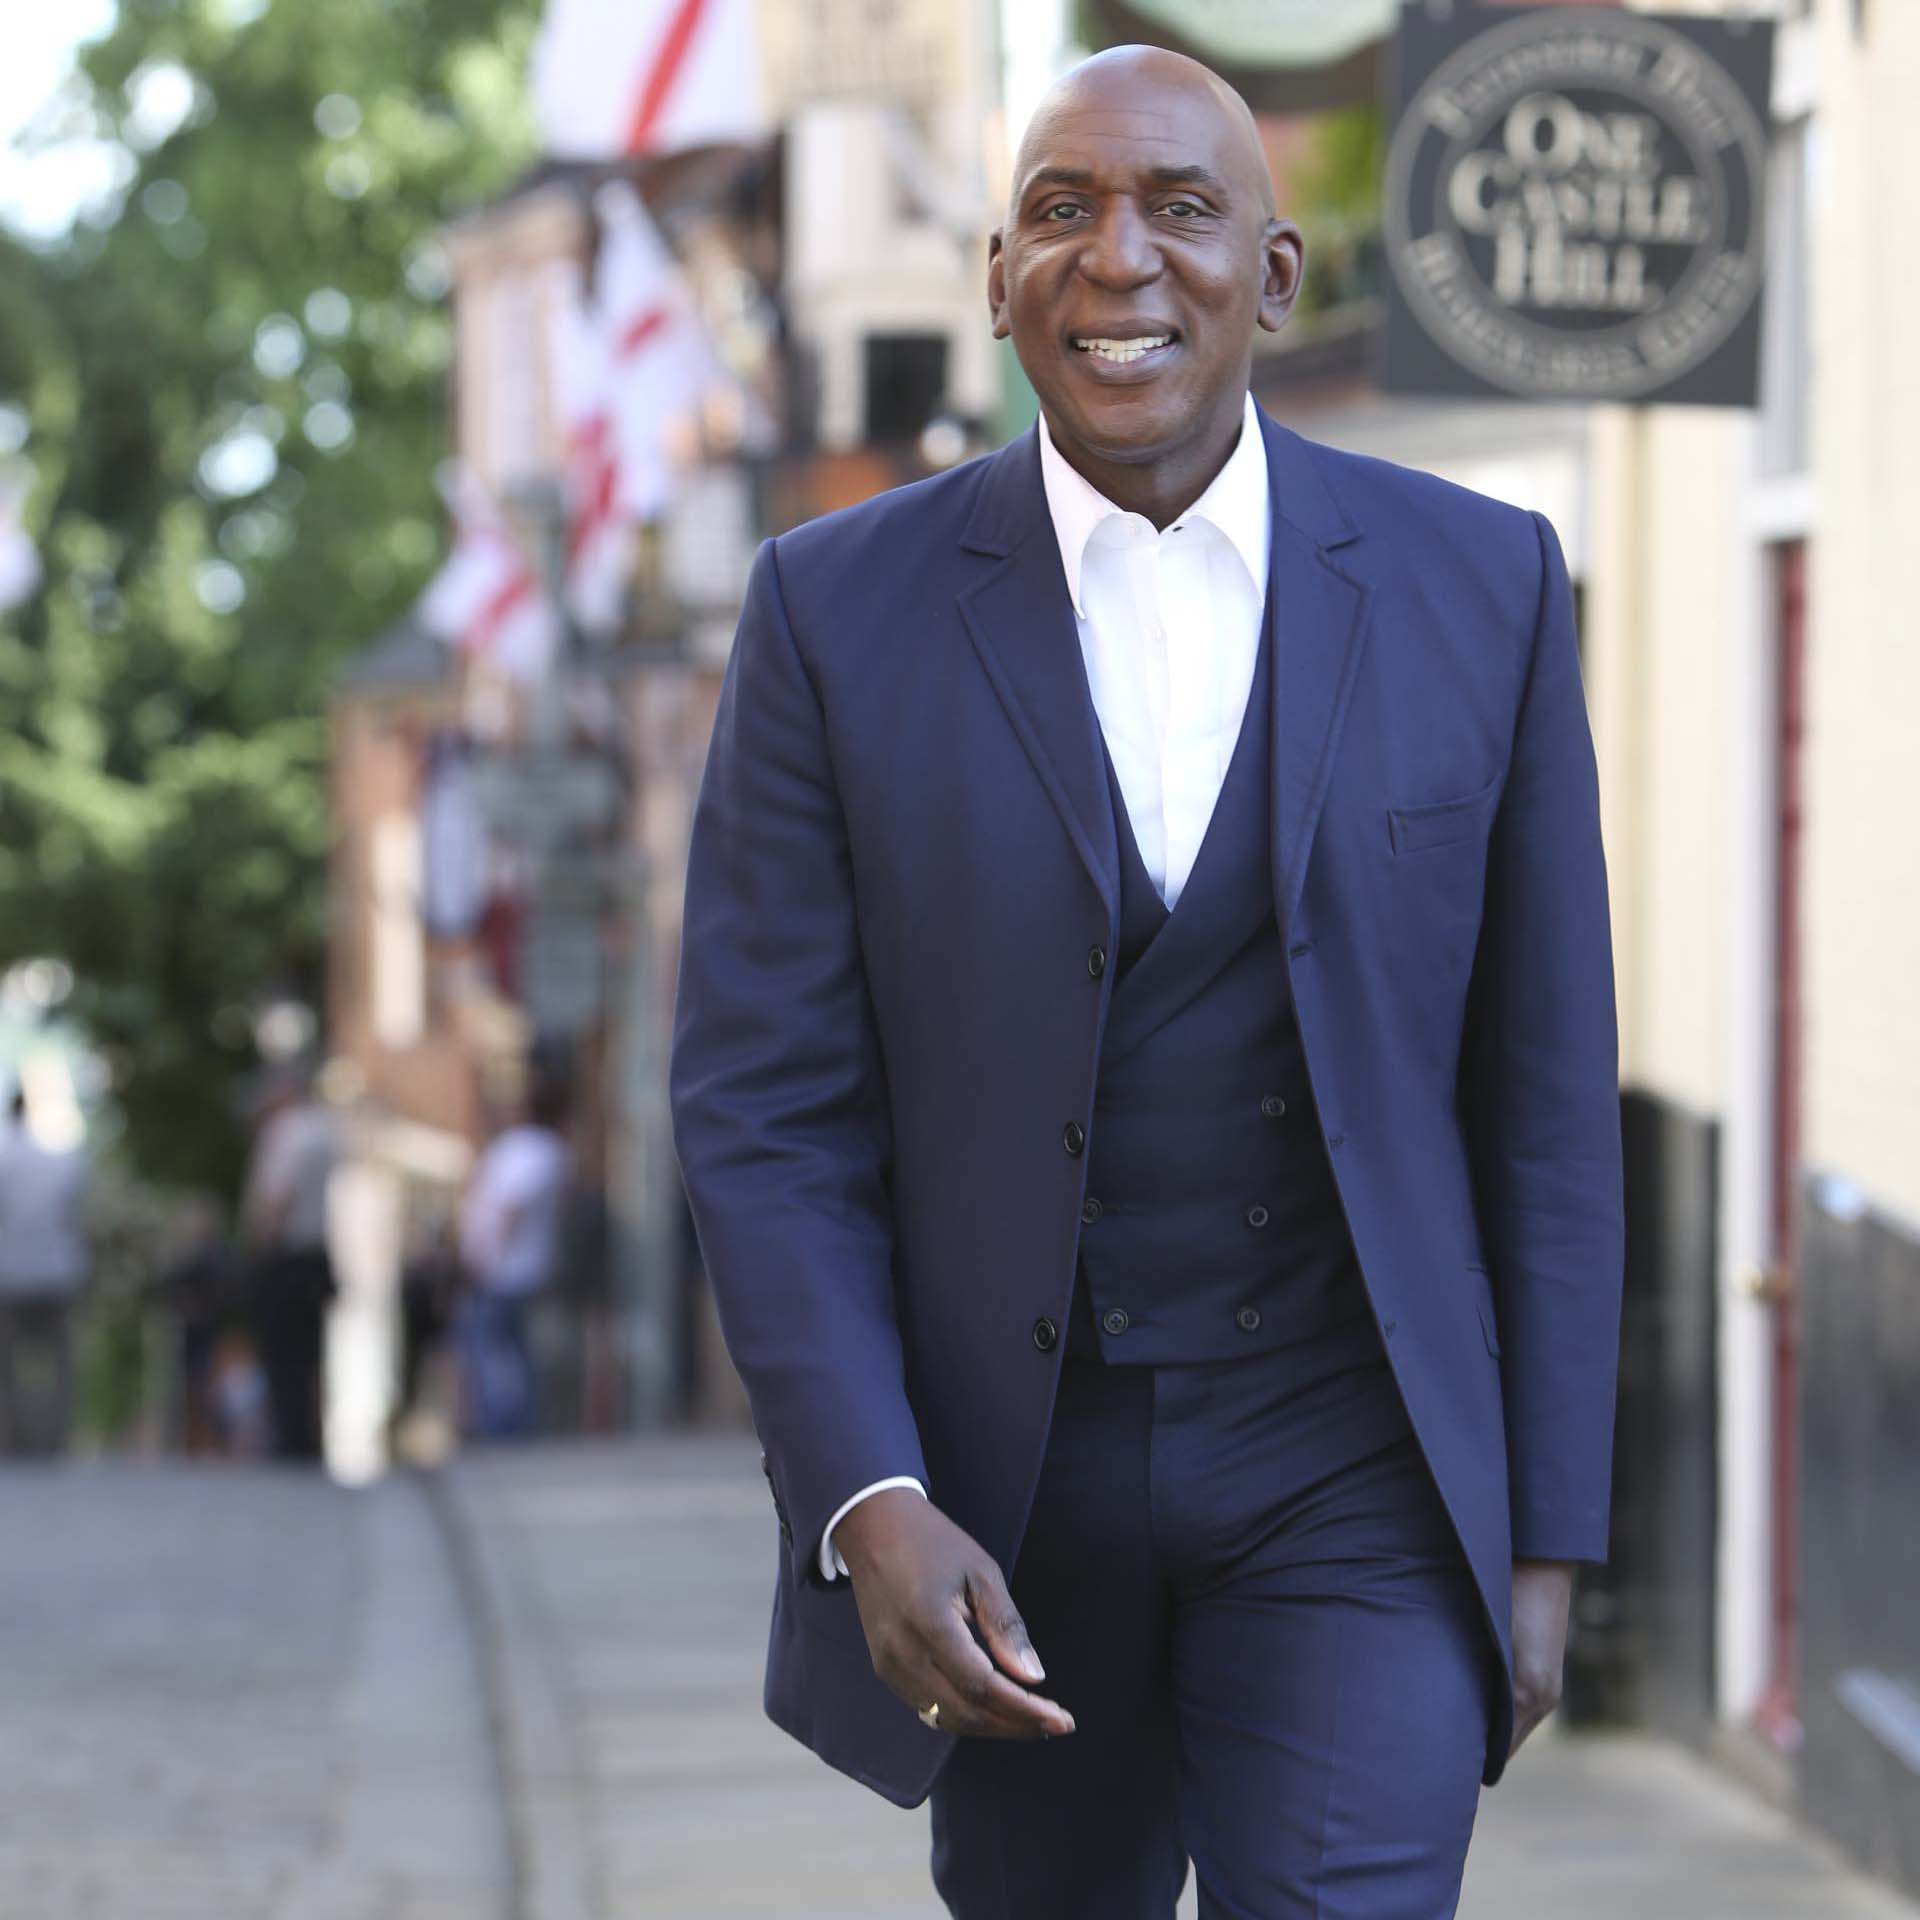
(487, 600)
(660, 368)
(19, 558)
(599, 537)
(614, 78)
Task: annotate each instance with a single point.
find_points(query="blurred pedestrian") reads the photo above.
(43, 1269)
(198, 1284)
(290, 1279)
(430, 1286)
(510, 1222)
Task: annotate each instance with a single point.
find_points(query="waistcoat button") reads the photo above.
(1073, 1136)
(1115, 1320)
(1256, 1216)
(1273, 1106)
(1045, 1334)
(1096, 961)
(1091, 1211)
(1248, 1319)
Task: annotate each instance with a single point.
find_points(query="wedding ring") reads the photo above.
(930, 1715)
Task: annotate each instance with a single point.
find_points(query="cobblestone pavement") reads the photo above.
(236, 1694)
(628, 1589)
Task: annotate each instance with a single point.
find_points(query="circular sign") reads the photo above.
(1573, 205)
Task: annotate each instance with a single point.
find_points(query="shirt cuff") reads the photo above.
(832, 1567)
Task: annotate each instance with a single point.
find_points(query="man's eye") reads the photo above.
(1065, 206)
(1185, 208)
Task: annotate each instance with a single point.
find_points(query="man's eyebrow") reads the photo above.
(1189, 175)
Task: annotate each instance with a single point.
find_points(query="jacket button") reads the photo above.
(1115, 1320)
(1091, 1211)
(1073, 1136)
(1273, 1106)
(1256, 1216)
(1046, 1336)
(1248, 1319)
(1096, 961)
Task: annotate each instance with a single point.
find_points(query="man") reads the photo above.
(284, 1222)
(510, 1221)
(1145, 1077)
(43, 1269)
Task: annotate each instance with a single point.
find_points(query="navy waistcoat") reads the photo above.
(1212, 1227)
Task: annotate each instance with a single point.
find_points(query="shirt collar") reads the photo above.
(1236, 502)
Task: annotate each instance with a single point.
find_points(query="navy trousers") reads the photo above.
(1244, 1588)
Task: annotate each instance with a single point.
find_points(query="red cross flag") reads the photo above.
(19, 558)
(614, 78)
(487, 599)
(660, 367)
(599, 545)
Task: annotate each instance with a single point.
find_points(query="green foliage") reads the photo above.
(1337, 202)
(235, 382)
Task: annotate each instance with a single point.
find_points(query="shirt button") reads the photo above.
(1115, 1320)
(1273, 1106)
(1091, 1211)
(1045, 1334)
(1256, 1216)
(1336, 1139)
(1073, 1136)
(1248, 1319)
(1301, 951)
(1096, 961)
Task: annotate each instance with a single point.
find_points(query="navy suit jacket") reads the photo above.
(902, 851)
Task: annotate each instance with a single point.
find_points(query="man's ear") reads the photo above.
(1283, 251)
(997, 285)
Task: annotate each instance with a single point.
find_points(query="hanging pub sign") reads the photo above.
(1575, 204)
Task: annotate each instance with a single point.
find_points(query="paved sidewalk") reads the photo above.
(236, 1694)
(627, 1589)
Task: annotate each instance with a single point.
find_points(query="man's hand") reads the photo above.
(925, 1591)
(1542, 1603)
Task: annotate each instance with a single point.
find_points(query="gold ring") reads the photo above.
(930, 1715)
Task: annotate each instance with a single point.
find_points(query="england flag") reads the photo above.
(660, 367)
(487, 600)
(617, 78)
(599, 536)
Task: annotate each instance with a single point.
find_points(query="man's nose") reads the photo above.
(1120, 249)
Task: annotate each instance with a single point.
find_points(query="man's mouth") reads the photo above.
(1120, 351)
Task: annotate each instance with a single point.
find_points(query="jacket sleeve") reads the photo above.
(778, 1093)
(1541, 1103)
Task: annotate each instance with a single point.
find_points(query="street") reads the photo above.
(529, 1690)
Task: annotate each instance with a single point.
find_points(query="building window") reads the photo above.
(1784, 371)
(906, 381)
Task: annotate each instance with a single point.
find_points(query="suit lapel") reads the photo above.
(1021, 623)
(1321, 617)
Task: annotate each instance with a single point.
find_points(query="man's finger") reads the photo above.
(987, 1701)
(1001, 1627)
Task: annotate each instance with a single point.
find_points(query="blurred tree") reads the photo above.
(231, 382)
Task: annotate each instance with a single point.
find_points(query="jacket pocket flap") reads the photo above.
(1438, 822)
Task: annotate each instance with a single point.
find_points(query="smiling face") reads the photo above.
(1139, 253)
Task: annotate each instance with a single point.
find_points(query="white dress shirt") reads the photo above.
(1169, 626)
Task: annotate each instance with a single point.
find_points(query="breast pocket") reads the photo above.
(1440, 823)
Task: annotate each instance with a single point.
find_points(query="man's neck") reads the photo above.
(1164, 486)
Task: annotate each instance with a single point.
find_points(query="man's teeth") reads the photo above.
(1121, 351)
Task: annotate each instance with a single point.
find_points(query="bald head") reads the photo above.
(1139, 256)
(1130, 91)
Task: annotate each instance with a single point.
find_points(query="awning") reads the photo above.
(1285, 56)
(1271, 33)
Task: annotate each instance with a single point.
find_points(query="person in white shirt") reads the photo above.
(43, 1269)
(284, 1219)
(510, 1224)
